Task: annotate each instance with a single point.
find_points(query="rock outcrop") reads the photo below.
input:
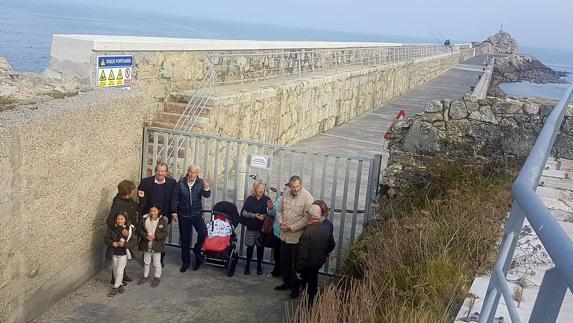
(500, 43)
(518, 68)
(28, 88)
(465, 128)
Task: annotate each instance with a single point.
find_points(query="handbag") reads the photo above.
(267, 224)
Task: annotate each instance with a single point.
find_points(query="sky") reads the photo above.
(533, 23)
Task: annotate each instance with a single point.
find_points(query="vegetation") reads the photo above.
(416, 261)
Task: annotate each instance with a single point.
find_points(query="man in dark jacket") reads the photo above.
(316, 242)
(157, 190)
(186, 209)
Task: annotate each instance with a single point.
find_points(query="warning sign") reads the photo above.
(114, 71)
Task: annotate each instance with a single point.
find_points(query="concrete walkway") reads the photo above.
(364, 135)
(206, 295)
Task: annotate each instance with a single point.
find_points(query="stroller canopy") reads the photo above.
(229, 210)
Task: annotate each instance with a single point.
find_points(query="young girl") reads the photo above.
(153, 231)
(119, 245)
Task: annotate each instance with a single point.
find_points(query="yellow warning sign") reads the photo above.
(119, 77)
(111, 78)
(102, 78)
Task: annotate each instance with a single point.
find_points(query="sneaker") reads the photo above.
(121, 290)
(155, 282)
(142, 281)
(113, 292)
(284, 286)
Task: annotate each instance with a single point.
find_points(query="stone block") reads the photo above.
(434, 106)
(431, 117)
(484, 114)
(458, 110)
(507, 107)
(531, 108)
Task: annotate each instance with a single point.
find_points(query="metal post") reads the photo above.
(550, 297)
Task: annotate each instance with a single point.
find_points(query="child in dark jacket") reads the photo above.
(316, 242)
(119, 241)
(153, 231)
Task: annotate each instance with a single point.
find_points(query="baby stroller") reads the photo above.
(220, 247)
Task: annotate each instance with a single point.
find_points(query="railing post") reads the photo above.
(550, 297)
(299, 64)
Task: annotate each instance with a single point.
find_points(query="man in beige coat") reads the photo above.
(292, 219)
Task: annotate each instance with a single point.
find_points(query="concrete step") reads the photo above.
(169, 125)
(173, 117)
(185, 96)
(179, 107)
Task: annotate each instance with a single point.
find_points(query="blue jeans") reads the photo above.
(186, 224)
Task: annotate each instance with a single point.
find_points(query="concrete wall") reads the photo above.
(165, 65)
(298, 109)
(61, 161)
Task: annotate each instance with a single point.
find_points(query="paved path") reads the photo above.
(206, 295)
(364, 135)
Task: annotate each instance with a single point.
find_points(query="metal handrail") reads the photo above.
(559, 246)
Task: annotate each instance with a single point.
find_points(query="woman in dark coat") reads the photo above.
(252, 216)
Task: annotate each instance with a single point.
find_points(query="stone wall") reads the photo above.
(61, 162)
(298, 109)
(470, 127)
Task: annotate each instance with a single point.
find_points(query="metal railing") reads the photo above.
(244, 67)
(526, 204)
(347, 183)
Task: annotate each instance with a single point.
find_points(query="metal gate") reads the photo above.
(348, 184)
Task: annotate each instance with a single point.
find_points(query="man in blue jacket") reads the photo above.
(186, 206)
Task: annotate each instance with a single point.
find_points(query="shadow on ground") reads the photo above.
(206, 295)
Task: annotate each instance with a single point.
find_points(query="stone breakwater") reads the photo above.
(468, 127)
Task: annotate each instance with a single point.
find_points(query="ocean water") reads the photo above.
(26, 28)
(557, 59)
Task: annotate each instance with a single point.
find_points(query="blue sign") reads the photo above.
(114, 61)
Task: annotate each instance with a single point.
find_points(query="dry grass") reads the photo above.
(416, 261)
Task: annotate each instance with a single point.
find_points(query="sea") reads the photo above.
(27, 26)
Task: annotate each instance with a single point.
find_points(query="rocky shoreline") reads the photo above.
(18, 89)
(510, 66)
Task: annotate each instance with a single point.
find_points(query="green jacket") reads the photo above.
(112, 236)
(160, 235)
(121, 205)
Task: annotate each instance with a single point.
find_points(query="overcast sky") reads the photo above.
(536, 23)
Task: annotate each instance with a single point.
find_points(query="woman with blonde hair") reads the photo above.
(253, 214)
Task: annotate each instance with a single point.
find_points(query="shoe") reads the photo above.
(121, 290)
(126, 278)
(197, 262)
(247, 270)
(259, 270)
(162, 263)
(112, 280)
(293, 294)
(155, 282)
(184, 268)
(284, 286)
(113, 292)
(142, 281)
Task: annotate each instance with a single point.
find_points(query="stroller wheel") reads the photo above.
(232, 264)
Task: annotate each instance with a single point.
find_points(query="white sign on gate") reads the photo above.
(114, 71)
(260, 161)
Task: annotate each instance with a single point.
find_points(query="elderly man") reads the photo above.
(292, 219)
(157, 190)
(316, 242)
(186, 206)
